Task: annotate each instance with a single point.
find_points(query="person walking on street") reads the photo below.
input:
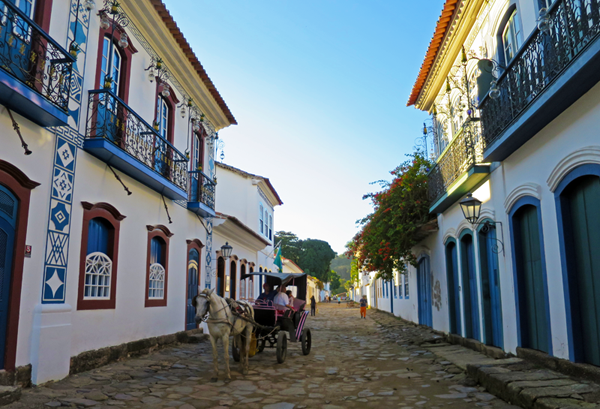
(363, 307)
(313, 306)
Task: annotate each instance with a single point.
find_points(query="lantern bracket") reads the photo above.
(486, 227)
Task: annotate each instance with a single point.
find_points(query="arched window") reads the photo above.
(114, 71)
(99, 256)
(158, 266)
(98, 264)
(511, 37)
(156, 280)
(221, 277)
(163, 117)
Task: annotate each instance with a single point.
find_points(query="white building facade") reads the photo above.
(106, 227)
(512, 90)
(245, 204)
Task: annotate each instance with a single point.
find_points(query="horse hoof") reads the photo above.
(214, 379)
(227, 380)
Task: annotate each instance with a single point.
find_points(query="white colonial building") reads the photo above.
(246, 209)
(512, 89)
(107, 200)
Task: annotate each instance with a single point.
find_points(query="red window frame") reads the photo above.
(113, 217)
(165, 234)
(126, 58)
(172, 102)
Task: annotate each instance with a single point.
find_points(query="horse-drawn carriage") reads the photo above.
(278, 323)
(255, 324)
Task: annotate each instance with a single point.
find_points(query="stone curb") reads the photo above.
(89, 360)
(531, 387)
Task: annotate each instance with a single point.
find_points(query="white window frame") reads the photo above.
(156, 282)
(260, 218)
(162, 116)
(511, 37)
(98, 274)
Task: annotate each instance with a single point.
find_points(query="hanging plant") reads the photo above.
(387, 236)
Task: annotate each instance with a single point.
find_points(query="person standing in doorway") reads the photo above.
(363, 307)
(313, 306)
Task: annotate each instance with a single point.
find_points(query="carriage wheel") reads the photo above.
(281, 347)
(306, 341)
(260, 345)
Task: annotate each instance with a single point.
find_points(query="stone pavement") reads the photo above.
(354, 363)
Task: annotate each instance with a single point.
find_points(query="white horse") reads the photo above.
(221, 323)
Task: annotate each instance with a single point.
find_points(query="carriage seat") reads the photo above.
(298, 304)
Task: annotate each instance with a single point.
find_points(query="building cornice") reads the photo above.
(162, 33)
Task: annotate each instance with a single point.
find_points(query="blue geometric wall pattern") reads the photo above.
(68, 139)
(59, 219)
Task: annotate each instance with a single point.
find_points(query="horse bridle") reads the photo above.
(207, 315)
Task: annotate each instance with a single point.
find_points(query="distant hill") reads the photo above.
(341, 265)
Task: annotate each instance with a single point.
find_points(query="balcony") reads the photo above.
(118, 136)
(35, 71)
(459, 168)
(553, 69)
(202, 194)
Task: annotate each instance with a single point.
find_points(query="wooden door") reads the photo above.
(453, 286)
(9, 206)
(581, 218)
(469, 287)
(233, 280)
(424, 292)
(490, 288)
(221, 277)
(530, 280)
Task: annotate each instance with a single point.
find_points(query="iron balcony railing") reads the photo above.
(202, 189)
(464, 151)
(112, 119)
(29, 54)
(572, 25)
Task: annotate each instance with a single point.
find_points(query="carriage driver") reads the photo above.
(267, 294)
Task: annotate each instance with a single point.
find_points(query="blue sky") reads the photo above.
(319, 89)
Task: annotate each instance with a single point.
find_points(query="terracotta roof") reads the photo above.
(287, 259)
(443, 25)
(160, 7)
(243, 172)
(241, 225)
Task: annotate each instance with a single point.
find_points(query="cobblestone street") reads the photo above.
(352, 364)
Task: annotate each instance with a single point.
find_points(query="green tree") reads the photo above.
(315, 258)
(291, 246)
(341, 265)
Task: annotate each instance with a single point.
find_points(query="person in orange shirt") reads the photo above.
(363, 307)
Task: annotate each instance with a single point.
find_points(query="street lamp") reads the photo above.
(226, 250)
(471, 208)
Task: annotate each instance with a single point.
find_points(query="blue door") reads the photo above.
(533, 320)
(9, 206)
(192, 287)
(424, 292)
(453, 286)
(469, 281)
(490, 288)
(581, 223)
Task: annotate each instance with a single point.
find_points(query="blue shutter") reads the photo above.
(156, 251)
(98, 234)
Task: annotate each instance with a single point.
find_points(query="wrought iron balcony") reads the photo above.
(35, 71)
(458, 169)
(542, 81)
(202, 194)
(121, 138)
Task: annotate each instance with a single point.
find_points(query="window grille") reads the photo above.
(156, 283)
(98, 269)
